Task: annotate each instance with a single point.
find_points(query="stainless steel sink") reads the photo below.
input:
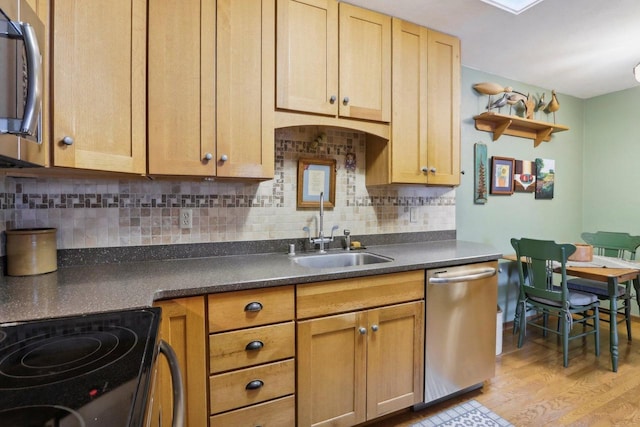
(342, 259)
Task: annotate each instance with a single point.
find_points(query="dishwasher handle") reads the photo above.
(468, 276)
(176, 381)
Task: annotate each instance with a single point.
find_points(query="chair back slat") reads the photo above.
(613, 244)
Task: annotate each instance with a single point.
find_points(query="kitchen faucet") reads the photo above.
(321, 240)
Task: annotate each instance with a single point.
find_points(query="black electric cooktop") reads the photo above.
(92, 370)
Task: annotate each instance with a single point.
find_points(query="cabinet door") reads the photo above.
(331, 354)
(395, 358)
(183, 327)
(98, 82)
(181, 88)
(307, 56)
(409, 103)
(443, 141)
(245, 88)
(365, 64)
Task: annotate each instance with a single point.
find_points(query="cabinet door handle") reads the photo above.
(208, 156)
(254, 345)
(332, 100)
(362, 330)
(32, 104)
(254, 385)
(345, 101)
(253, 306)
(224, 158)
(374, 328)
(67, 140)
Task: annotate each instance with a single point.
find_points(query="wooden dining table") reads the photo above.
(611, 271)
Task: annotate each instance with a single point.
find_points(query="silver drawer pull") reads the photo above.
(254, 385)
(254, 345)
(253, 306)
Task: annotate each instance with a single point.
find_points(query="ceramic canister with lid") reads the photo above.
(31, 251)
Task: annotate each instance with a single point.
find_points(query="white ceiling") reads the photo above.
(583, 48)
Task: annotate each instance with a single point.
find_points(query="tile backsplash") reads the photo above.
(111, 213)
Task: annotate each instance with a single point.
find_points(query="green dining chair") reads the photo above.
(616, 245)
(536, 261)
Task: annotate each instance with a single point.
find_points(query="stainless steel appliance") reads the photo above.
(21, 82)
(93, 370)
(460, 329)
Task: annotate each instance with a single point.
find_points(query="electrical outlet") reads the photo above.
(186, 218)
(413, 214)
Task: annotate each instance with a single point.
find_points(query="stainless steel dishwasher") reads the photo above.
(460, 339)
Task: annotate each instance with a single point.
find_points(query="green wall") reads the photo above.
(520, 214)
(612, 162)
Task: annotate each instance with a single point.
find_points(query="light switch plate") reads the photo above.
(413, 214)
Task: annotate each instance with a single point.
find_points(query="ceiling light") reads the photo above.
(636, 72)
(514, 6)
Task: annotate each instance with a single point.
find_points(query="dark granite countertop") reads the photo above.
(76, 290)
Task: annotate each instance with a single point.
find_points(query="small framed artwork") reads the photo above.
(316, 177)
(546, 178)
(524, 176)
(481, 169)
(502, 175)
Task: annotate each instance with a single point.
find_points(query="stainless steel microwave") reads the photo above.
(21, 81)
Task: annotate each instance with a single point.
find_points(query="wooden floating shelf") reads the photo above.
(502, 124)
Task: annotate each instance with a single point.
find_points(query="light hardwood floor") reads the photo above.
(531, 388)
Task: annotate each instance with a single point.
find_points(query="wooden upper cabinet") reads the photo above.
(245, 88)
(333, 59)
(425, 141)
(443, 94)
(99, 84)
(425, 127)
(365, 64)
(409, 103)
(181, 88)
(307, 56)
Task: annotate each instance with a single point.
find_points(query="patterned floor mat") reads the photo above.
(468, 414)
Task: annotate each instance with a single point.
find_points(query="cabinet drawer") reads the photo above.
(229, 391)
(232, 350)
(255, 307)
(340, 296)
(276, 413)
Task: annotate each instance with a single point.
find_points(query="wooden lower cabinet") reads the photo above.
(335, 353)
(252, 358)
(395, 358)
(183, 327)
(356, 366)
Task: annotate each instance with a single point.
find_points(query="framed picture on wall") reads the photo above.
(481, 169)
(525, 176)
(546, 178)
(316, 177)
(502, 175)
